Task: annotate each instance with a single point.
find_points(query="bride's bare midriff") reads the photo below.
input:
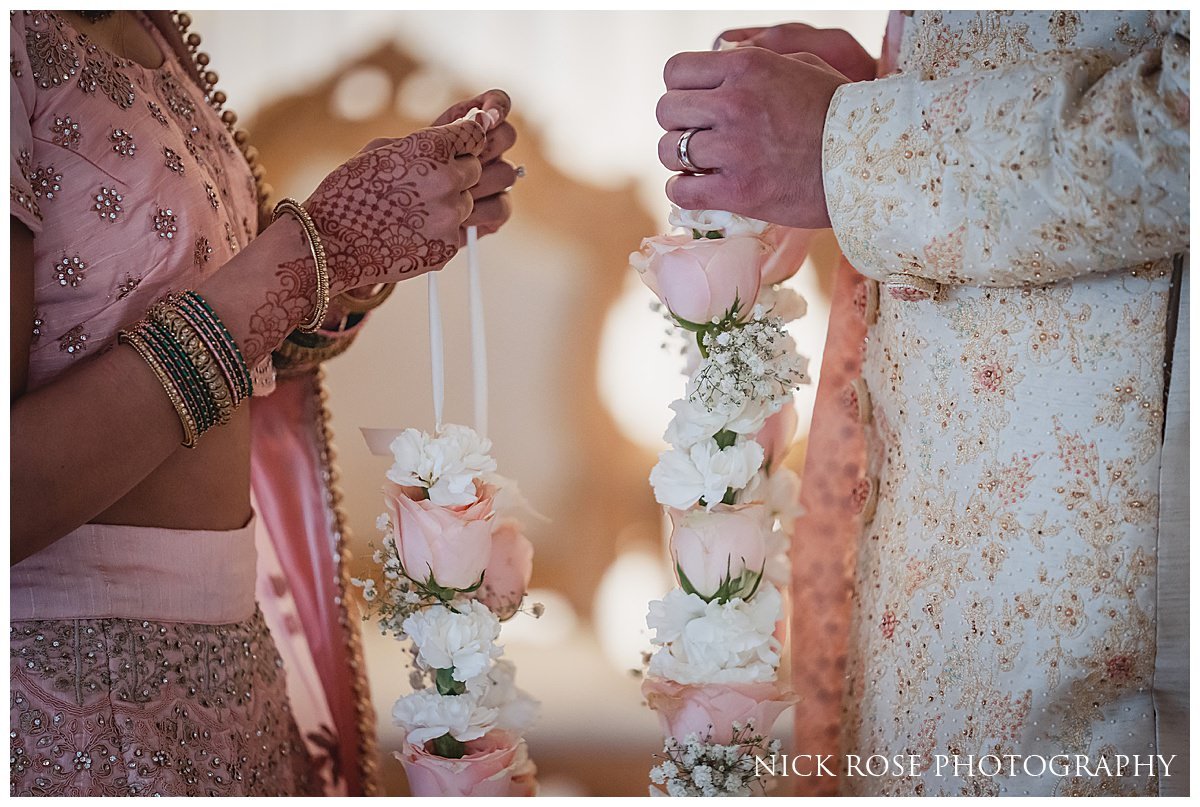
(202, 488)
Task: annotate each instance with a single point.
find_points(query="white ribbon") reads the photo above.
(478, 336)
(436, 352)
(379, 440)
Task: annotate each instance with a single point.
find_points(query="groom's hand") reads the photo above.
(837, 48)
(761, 117)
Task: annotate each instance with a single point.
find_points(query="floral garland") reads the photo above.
(452, 570)
(731, 502)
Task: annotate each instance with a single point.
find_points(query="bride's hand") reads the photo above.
(492, 206)
(837, 48)
(396, 209)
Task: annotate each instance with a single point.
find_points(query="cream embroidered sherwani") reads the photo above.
(1020, 191)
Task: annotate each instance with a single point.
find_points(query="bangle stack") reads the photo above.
(318, 253)
(195, 359)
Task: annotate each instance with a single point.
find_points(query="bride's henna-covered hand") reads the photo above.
(395, 209)
(492, 206)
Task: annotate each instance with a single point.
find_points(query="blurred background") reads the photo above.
(579, 384)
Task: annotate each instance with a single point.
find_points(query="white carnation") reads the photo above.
(463, 639)
(750, 417)
(704, 471)
(412, 463)
(425, 715)
(516, 710)
(715, 643)
(718, 221)
(692, 424)
(446, 465)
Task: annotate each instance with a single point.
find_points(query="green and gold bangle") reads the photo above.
(186, 376)
(186, 420)
(242, 378)
(200, 355)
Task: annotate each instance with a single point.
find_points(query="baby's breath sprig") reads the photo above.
(397, 598)
(752, 361)
(698, 767)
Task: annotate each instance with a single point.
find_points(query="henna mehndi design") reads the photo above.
(395, 210)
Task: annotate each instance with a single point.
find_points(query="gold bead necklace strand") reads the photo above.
(216, 98)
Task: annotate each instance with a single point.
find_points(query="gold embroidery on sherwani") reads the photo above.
(1005, 587)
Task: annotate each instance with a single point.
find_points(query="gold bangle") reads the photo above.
(352, 304)
(318, 254)
(199, 354)
(294, 354)
(134, 340)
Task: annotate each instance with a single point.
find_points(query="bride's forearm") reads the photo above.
(120, 424)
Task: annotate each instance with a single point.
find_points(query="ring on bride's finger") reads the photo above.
(684, 157)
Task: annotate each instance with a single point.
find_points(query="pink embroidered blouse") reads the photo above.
(129, 180)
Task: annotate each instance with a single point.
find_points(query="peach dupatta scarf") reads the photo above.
(827, 534)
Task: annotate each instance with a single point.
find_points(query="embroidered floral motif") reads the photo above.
(166, 223)
(73, 341)
(173, 161)
(179, 103)
(203, 250)
(22, 199)
(100, 74)
(212, 196)
(157, 113)
(52, 57)
(123, 143)
(108, 204)
(1064, 27)
(126, 286)
(70, 271)
(65, 132)
(45, 182)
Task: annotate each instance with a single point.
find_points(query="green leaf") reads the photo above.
(688, 325)
(448, 747)
(686, 584)
(725, 438)
(446, 685)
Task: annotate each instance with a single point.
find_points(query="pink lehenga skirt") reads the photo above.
(141, 665)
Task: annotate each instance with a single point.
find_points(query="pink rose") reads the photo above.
(497, 764)
(506, 578)
(450, 544)
(700, 279)
(720, 551)
(712, 709)
(789, 249)
(777, 434)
